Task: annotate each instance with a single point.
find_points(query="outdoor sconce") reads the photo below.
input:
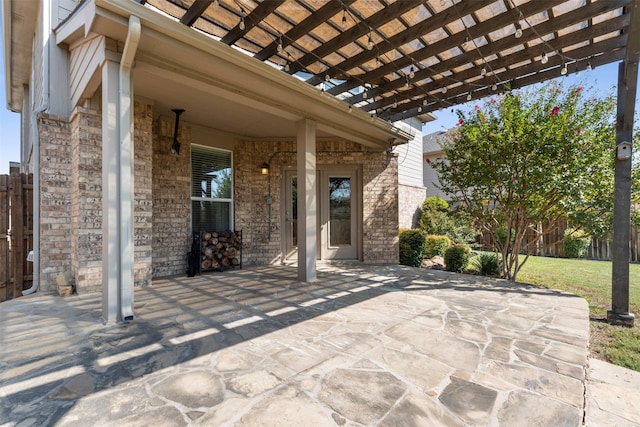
(623, 151)
(175, 147)
(264, 168)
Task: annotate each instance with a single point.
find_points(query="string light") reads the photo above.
(589, 67)
(564, 70)
(280, 48)
(406, 85)
(287, 67)
(412, 72)
(518, 30)
(544, 58)
(444, 89)
(241, 25)
(365, 95)
(483, 71)
(494, 87)
(344, 18)
(469, 96)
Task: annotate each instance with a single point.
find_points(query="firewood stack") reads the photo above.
(220, 250)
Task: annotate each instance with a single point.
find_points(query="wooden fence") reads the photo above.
(16, 234)
(551, 243)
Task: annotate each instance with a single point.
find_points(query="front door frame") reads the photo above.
(324, 172)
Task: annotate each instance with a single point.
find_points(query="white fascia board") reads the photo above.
(307, 101)
(6, 48)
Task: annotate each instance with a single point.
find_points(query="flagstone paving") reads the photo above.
(364, 345)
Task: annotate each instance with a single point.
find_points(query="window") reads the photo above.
(211, 189)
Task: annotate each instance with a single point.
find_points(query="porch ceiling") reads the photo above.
(400, 59)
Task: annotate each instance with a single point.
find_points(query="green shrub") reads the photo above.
(456, 258)
(488, 264)
(434, 218)
(436, 245)
(576, 243)
(412, 245)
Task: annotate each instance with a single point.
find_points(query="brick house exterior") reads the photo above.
(83, 79)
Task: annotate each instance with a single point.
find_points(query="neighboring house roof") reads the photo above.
(431, 143)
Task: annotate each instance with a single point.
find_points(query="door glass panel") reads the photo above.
(294, 210)
(339, 211)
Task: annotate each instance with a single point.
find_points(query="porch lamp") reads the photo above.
(264, 168)
(175, 147)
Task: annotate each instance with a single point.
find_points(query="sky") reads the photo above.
(601, 81)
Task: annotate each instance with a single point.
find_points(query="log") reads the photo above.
(213, 241)
(235, 261)
(231, 252)
(206, 264)
(206, 236)
(208, 252)
(225, 262)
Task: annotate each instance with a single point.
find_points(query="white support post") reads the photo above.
(110, 193)
(307, 203)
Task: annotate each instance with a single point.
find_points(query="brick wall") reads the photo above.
(380, 209)
(410, 205)
(86, 204)
(171, 181)
(143, 193)
(379, 193)
(55, 199)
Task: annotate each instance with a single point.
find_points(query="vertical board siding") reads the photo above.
(410, 162)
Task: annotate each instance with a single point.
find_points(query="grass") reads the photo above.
(592, 280)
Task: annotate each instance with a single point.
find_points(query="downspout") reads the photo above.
(46, 18)
(126, 169)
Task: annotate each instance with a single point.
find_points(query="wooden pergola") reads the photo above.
(401, 59)
(405, 58)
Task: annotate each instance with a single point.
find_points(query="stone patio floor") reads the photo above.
(364, 345)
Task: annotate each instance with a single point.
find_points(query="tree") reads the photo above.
(532, 157)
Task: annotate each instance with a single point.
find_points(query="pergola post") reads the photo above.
(627, 82)
(307, 203)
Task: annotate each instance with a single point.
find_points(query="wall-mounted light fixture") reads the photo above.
(264, 168)
(175, 147)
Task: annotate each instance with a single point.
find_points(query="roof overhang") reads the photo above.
(171, 51)
(19, 19)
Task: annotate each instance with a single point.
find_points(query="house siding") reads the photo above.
(410, 172)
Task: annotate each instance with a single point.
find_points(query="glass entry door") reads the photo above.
(339, 214)
(338, 202)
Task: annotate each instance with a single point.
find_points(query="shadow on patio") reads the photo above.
(365, 344)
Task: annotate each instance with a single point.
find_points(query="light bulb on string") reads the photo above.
(370, 42)
(544, 58)
(563, 70)
(280, 48)
(424, 102)
(344, 18)
(241, 25)
(518, 30)
(483, 72)
(469, 96)
(364, 94)
(494, 87)
(406, 84)
(395, 104)
(412, 72)
(420, 109)
(287, 67)
(444, 89)
(589, 67)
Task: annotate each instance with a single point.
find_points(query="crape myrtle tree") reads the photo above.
(524, 160)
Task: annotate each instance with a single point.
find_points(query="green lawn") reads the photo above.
(592, 280)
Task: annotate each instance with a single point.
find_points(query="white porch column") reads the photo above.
(307, 204)
(110, 192)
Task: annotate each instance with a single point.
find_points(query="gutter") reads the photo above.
(46, 21)
(6, 47)
(125, 103)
